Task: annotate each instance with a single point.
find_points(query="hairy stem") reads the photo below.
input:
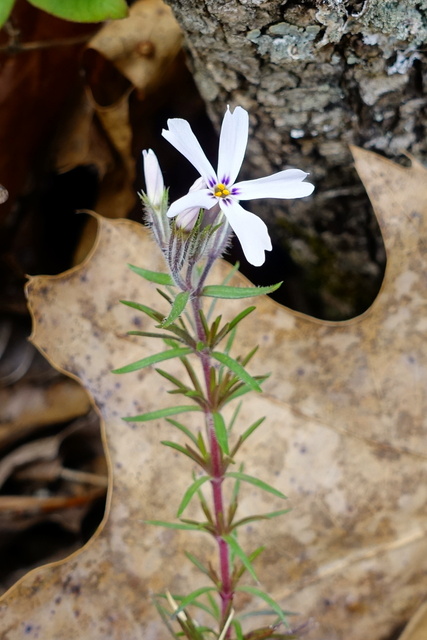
(217, 473)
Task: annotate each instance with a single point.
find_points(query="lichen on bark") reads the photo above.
(317, 76)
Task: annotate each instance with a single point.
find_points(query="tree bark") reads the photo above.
(317, 76)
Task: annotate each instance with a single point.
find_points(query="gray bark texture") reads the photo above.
(317, 76)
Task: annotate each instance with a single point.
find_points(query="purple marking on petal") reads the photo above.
(235, 192)
(225, 180)
(211, 182)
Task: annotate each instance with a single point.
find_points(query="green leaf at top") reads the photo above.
(178, 307)
(6, 7)
(236, 368)
(223, 291)
(153, 276)
(157, 357)
(83, 10)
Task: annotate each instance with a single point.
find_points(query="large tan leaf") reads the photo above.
(345, 439)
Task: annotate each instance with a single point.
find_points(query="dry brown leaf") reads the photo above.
(344, 439)
(417, 628)
(143, 45)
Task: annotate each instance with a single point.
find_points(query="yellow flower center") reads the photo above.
(221, 191)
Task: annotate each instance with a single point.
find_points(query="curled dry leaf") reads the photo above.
(142, 46)
(344, 438)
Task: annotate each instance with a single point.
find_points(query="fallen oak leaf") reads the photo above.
(417, 627)
(335, 441)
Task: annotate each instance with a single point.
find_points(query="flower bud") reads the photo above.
(153, 178)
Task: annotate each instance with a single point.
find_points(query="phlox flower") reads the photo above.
(220, 189)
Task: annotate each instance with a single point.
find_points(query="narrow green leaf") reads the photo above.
(264, 596)
(236, 368)
(214, 606)
(165, 295)
(225, 281)
(165, 616)
(268, 612)
(263, 516)
(170, 342)
(249, 356)
(183, 429)
(153, 276)
(214, 330)
(204, 323)
(236, 488)
(238, 551)
(222, 291)
(162, 413)
(84, 10)
(176, 525)
(237, 574)
(256, 482)
(242, 390)
(221, 432)
(204, 504)
(192, 374)
(153, 334)
(187, 452)
(6, 7)
(230, 341)
(234, 417)
(157, 357)
(185, 602)
(238, 629)
(251, 429)
(155, 315)
(192, 489)
(199, 605)
(171, 378)
(178, 307)
(241, 316)
(201, 445)
(201, 567)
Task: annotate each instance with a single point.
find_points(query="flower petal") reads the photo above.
(251, 231)
(202, 198)
(181, 136)
(285, 184)
(232, 144)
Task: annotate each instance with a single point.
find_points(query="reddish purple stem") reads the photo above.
(226, 593)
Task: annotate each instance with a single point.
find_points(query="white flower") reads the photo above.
(221, 187)
(153, 178)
